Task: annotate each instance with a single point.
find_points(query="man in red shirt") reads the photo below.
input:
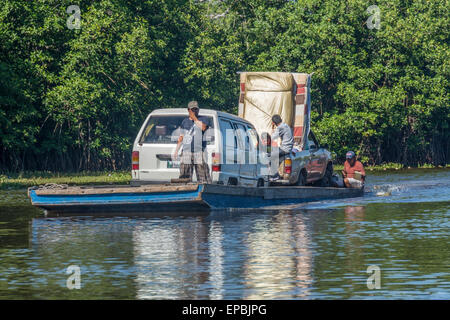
(353, 173)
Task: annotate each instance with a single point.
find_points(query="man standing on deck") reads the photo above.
(283, 131)
(193, 153)
(353, 173)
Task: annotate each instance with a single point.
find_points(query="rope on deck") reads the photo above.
(50, 186)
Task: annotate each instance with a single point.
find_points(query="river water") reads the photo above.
(393, 243)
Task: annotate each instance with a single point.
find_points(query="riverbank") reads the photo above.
(29, 179)
(392, 166)
(14, 181)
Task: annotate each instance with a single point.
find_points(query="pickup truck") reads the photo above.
(313, 165)
(264, 94)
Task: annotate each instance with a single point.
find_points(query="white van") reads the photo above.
(232, 160)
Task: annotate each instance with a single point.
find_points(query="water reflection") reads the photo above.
(171, 261)
(354, 213)
(279, 258)
(250, 254)
(202, 259)
(102, 248)
(354, 252)
(216, 267)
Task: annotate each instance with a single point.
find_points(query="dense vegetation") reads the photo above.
(73, 99)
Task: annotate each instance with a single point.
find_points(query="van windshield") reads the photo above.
(166, 129)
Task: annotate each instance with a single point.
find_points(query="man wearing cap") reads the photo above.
(353, 173)
(191, 137)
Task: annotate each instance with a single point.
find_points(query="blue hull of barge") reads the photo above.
(120, 202)
(201, 198)
(117, 198)
(220, 201)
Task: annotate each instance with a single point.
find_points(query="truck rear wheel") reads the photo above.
(326, 180)
(232, 182)
(301, 178)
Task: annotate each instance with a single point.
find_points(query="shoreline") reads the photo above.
(25, 180)
(394, 167)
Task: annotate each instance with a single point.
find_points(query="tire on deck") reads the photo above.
(301, 181)
(326, 180)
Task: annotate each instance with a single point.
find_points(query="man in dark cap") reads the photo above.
(353, 173)
(191, 137)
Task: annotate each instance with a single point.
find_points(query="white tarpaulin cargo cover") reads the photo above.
(267, 94)
(264, 94)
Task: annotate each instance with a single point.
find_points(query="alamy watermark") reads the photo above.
(374, 21)
(240, 147)
(74, 21)
(374, 280)
(74, 280)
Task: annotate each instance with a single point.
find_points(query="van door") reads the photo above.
(156, 145)
(254, 158)
(247, 171)
(229, 166)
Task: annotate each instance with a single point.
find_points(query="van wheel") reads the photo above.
(232, 182)
(301, 178)
(260, 183)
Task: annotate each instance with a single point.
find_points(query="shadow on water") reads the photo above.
(313, 251)
(165, 214)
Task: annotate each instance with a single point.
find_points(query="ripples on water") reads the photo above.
(312, 251)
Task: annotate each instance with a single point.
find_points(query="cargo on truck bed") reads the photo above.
(264, 94)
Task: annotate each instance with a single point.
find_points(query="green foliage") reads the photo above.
(74, 99)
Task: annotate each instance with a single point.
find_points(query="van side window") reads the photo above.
(165, 129)
(254, 143)
(253, 138)
(225, 127)
(243, 154)
(243, 136)
(160, 129)
(229, 141)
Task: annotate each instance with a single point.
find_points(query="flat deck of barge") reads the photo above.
(177, 197)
